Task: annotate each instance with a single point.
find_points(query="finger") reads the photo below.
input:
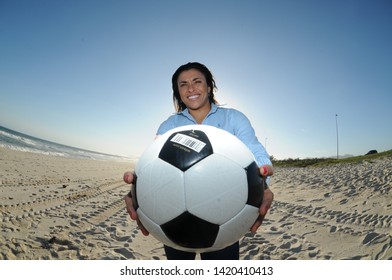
(128, 177)
(144, 231)
(264, 210)
(133, 214)
(129, 206)
(257, 224)
(267, 201)
(266, 170)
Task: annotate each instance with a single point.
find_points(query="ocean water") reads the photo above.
(21, 142)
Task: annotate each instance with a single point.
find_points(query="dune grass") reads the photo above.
(319, 162)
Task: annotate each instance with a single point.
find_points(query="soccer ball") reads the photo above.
(197, 188)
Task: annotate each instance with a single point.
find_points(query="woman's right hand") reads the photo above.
(128, 178)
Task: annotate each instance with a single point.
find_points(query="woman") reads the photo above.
(193, 96)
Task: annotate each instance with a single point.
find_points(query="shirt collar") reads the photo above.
(186, 113)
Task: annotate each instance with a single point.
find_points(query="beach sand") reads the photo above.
(62, 208)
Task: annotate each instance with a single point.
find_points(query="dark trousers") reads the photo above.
(231, 252)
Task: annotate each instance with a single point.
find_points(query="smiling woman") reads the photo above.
(193, 96)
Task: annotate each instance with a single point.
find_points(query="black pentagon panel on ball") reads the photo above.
(134, 193)
(190, 231)
(183, 149)
(256, 185)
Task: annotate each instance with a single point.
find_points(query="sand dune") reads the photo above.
(61, 208)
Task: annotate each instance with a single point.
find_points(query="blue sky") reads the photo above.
(97, 74)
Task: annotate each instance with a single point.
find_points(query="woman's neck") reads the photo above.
(200, 114)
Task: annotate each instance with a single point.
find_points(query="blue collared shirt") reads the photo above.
(227, 119)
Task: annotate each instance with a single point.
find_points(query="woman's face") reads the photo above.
(193, 89)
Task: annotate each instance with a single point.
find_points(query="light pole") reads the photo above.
(265, 146)
(337, 137)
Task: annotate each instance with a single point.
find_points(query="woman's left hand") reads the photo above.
(268, 197)
(265, 206)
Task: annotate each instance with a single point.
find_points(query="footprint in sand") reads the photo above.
(333, 229)
(126, 253)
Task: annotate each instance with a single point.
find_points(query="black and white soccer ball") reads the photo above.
(197, 188)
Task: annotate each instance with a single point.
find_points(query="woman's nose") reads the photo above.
(191, 87)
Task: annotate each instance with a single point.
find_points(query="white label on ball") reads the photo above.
(189, 142)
